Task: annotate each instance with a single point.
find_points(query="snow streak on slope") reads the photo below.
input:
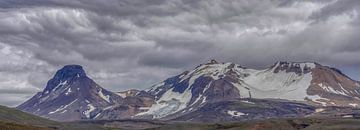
(282, 85)
(62, 107)
(105, 97)
(170, 102)
(235, 113)
(89, 110)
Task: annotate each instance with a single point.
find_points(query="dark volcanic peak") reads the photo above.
(70, 71)
(70, 95)
(65, 75)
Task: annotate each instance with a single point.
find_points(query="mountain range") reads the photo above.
(212, 92)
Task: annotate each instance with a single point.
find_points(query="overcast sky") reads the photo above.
(126, 44)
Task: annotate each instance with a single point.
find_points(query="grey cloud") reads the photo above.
(170, 58)
(12, 100)
(336, 8)
(17, 91)
(133, 44)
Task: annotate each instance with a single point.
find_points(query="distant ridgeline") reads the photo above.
(211, 92)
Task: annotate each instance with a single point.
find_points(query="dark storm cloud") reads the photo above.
(336, 8)
(133, 44)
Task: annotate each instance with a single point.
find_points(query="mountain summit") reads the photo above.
(68, 73)
(70, 95)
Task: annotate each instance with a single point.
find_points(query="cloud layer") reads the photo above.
(133, 44)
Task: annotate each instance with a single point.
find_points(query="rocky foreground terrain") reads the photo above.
(12, 119)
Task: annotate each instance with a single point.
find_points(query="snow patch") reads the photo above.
(332, 90)
(62, 107)
(90, 108)
(244, 91)
(343, 89)
(158, 91)
(68, 91)
(170, 102)
(123, 95)
(109, 107)
(97, 115)
(215, 71)
(105, 97)
(353, 104)
(59, 85)
(244, 101)
(318, 99)
(348, 116)
(43, 99)
(153, 88)
(196, 100)
(203, 101)
(207, 87)
(144, 108)
(281, 85)
(235, 113)
(319, 110)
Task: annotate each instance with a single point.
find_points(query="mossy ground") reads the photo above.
(14, 126)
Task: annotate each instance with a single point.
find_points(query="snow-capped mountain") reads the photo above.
(211, 92)
(70, 95)
(305, 82)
